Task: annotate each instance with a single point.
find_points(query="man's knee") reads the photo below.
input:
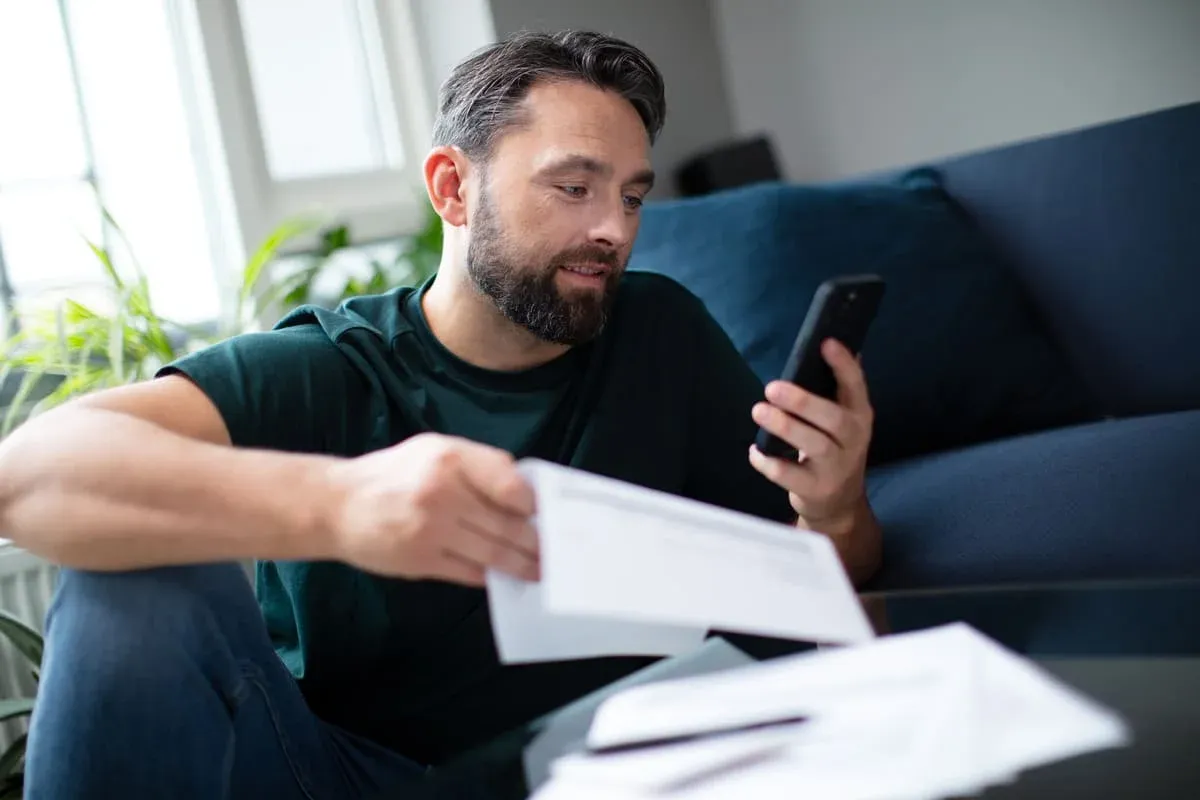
(144, 624)
(142, 661)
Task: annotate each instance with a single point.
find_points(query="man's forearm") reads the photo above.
(858, 539)
(98, 489)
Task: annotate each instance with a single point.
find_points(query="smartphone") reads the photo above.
(843, 308)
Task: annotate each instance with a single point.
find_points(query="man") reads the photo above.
(366, 458)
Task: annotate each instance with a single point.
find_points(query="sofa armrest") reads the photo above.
(1110, 500)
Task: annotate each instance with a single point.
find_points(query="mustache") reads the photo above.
(590, 254)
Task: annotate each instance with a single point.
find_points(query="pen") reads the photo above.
(692, 736)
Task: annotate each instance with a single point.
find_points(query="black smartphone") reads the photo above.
(843, 308)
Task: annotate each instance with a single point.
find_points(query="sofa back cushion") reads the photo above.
(956, 355)
(1103, 228)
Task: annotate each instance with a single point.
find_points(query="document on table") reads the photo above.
(939, 713)
(627, 570)
(566, 730)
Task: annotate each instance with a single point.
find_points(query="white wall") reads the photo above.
(847, 86)
(449, 31)
(677, 34)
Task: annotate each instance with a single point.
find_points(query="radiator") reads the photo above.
(26, 584)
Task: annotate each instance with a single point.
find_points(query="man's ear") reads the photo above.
(446, 170)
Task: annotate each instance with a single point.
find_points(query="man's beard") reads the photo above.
(526, 292)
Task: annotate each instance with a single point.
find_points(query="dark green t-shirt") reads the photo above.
(661, 398)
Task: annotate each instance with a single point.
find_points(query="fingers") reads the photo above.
(494, 537)
(813, 409)
(801, 483)
(814, 494)
(478, 512)
(810, 441)
(790, 475)
(493, 474)
(455, 568)
(852, 382)
(482, 547)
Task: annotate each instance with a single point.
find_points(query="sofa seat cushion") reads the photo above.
(1108, 500)
(956, 355)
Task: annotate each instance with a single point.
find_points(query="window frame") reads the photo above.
(376, 205)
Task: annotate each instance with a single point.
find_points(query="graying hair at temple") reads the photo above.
(482, 97)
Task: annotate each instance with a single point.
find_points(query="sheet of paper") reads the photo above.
(938, 713)
(615, 550)
(565, 731)
(864, 761)
(526, 632)
(808, 684)
(669, 767)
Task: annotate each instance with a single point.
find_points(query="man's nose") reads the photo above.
(613, 225)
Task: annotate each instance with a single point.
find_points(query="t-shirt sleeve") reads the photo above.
(285, 389)
(724, 392)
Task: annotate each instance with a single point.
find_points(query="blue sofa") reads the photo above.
(1034, 367)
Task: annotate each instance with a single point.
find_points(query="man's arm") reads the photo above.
(826, 493)
(858, 539)
(145, 475)
(227, 460)
(826, 485)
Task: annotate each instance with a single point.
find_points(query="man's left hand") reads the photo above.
(827, 482)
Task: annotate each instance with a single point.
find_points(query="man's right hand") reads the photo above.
(435, 507)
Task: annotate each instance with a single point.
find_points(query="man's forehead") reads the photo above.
(573, 125)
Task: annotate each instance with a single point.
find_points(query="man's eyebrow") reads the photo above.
(643, 178)
(582, 163)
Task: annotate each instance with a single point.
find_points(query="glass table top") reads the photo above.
(1133, 643)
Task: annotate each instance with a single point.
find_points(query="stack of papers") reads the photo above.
(939, 713)
(566, 730)
(630, 571)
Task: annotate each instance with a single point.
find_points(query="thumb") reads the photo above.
(493, 473)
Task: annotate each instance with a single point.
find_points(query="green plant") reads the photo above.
(74, 349)
(415, 259)
(28, 642)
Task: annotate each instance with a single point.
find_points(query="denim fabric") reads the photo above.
(163, 683)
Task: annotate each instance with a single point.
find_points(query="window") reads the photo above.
(320, 107)
(87, 122)
(322, 97)
(200, 125)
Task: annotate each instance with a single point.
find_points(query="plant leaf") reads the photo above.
(333, 239)
(105, 259)
(116, 343)
(12, 707)
(13, 756)
(266, 252)
(107, 218)
(77, 313)
(28, 381)
(27, 641)
(293, 289)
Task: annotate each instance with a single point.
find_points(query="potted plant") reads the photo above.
(75, 349)
(28, 642)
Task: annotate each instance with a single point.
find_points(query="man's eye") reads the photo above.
(574, 191)
(633, 202)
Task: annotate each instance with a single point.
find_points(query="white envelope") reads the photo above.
(526, 632)
(611, 550)
(938, 713)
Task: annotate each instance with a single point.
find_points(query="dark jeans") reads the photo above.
(163, 683)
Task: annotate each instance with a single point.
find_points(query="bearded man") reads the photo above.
(365, 457)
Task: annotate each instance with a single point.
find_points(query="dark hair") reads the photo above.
(482, 96)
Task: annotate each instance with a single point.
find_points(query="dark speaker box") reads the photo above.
(727, 166)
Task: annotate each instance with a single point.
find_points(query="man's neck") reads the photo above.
(470, 326)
